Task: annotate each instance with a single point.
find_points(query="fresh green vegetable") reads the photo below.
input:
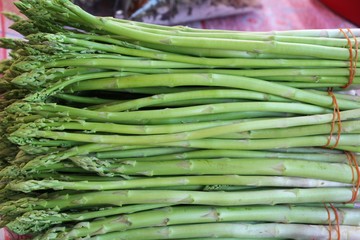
(113, 129)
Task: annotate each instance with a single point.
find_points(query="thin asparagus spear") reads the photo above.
(125, 197)
(163, 98)
(233, 180)
(41, 220)
(174, 80)
(146, 115)
(319, 129)
(345, 143)
(334, 42)
(218, 62)
(195, 154)
(324, 33)
(20, 135)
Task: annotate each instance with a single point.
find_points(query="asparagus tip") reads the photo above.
(34, 221)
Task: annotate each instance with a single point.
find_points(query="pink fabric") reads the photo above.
(280, 15)
(7, 6)
(5, 234)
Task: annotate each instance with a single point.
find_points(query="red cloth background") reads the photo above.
(349, 9)
(281, 15)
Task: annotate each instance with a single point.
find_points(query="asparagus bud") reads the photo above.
(35, 221)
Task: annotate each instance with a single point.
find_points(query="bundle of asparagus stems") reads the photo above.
(112, 129)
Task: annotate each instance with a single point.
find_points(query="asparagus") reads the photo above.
(218, 80)
(335, 42)
(346, 144)
(119, 155)
(12, 16)
(23, 108)
(117, 28)
(292, 131)
(219, 62)
(284, 167)
(318, 129)
(129, 117)
(44, 161)
(232, 180)
(125, 197)
(186, 215)
(315, 73)
(164, 98)
(236, 230)
(36, 221)
(189, 140)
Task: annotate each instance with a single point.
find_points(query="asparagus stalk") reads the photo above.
(218, 62)
(211, 94)
(22, 135)
(12, 16)
(126, 197)
(140, 152)
(318, 129)
(218, 80)
(235, 230)
(208, 91)
(115, 40)
(275, 167)
(301, 150)
(36, 78)
(233, 180)
(35, 221)
(347, 143)
(44, 161)
(126, 129)
(184, 215)
(195, 154)
(82, 99)
(179, 31)
(323, 33)
(117, 28)
(144, 115)
(257, 73)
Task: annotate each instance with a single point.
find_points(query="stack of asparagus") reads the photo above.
(114, 129)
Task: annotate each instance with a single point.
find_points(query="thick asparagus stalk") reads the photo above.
(275, 167)
(235, 230)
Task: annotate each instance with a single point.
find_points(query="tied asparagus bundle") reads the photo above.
(113, 129)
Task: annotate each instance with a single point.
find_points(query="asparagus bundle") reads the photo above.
(113, 129)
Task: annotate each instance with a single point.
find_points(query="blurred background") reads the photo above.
(245, 15)
(250, 15)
